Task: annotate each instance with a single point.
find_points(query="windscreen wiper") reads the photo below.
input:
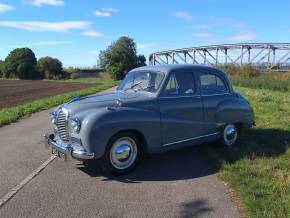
(132, 86)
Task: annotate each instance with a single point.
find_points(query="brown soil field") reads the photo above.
(15, 92)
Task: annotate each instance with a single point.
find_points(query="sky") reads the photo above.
(75, 31)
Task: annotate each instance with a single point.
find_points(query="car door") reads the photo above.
(214, 90)
(180, 108)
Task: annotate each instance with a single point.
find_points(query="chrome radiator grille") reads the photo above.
(61, 124)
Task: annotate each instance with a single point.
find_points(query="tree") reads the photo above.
(50, 68)
(20, 63)
(1, 65)
(120, 57)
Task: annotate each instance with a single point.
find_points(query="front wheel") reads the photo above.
(122, 154)
(230, 135)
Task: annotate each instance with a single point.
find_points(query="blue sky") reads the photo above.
(76, 30)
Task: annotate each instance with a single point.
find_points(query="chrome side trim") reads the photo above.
(189, 96)
(228, 93)
(194, 138)
(195, 96)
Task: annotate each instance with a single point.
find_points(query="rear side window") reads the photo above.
(180, 84)
(212, 84)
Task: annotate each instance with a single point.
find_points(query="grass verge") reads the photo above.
(9, 115)
(85, 80)
(258, 169)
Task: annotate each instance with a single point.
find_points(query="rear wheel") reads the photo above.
(122, 154)
(230, 135)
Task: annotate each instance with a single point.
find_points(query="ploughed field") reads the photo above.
(15, 92)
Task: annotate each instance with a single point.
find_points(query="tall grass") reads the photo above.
(247, 76)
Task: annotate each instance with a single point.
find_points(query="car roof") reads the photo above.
(167, 68)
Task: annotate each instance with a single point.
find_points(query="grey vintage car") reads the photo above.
(154, 109)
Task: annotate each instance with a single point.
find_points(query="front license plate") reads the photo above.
(59, 154)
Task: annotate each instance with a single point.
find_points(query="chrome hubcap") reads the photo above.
(230, 134)
(123, 153)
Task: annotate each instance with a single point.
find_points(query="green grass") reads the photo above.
(258, 169)
(263, 83)
(84, 80)
(9, 115)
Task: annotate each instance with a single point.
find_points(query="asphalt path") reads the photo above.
(174, 184)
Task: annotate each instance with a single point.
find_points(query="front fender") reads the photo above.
(101, 124)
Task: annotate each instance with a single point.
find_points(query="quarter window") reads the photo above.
(180, 84)
(212, 84)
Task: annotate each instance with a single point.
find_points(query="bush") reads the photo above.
(248, 71)
(50, 68)
(120, 57)
(245, 71)
(20, 63)
(230, 69)
(73, 76)
(71, 70)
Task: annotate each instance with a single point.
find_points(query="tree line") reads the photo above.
(21, 63)
(119, 58)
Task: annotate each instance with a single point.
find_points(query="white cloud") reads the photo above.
(44, 43)
(41, 43)
(37, 26)
(146, 46)
(40, 3)
(102, 14)
(105, 12)
(242, 36)
(183, 15)
(93, 53)
(143, 48)
(202, 35)
(5, 8)
(110, 9)
(199, 26)
(93, 33)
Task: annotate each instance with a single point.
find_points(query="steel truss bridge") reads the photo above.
(271, 56)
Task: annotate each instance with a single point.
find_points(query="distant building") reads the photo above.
(86, 73)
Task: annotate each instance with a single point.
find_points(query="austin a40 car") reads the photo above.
(154, 109)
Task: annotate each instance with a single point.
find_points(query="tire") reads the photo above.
(230, 135)
(122, 154)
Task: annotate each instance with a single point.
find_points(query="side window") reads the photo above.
(212, 84)
(180, 84)
(171, 87)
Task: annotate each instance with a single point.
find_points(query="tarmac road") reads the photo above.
(175, 184)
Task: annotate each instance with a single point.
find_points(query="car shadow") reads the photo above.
(254, 143)
(195, 208)
(186, 163)
(201, 160)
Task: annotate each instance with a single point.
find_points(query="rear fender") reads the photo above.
(235, 110)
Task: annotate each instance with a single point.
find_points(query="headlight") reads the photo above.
(52, 116)
(75, 124)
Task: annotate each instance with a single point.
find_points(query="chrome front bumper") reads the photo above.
(69, 150)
